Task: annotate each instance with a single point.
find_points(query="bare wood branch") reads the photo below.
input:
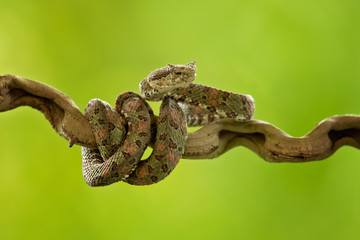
(271, 143)
(62, 113)
(266, 140)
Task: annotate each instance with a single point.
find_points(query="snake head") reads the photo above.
(172, 76)
(160, 82)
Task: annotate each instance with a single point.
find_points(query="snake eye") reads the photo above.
(178, 73)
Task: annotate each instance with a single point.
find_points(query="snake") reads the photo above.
(124, 132)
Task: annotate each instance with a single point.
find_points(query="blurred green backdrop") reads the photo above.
(299, 60)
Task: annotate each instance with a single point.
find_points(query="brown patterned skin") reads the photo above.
(122, 134)
(116, 159)
(168, 149)
(201, 104)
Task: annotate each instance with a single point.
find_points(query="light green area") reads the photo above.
(299, 59)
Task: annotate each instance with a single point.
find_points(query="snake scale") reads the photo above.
(123, 133)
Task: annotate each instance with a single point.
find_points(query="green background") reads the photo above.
(299, 59)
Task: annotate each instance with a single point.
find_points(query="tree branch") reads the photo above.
(266, 140)
(62, 113)
(271, 143)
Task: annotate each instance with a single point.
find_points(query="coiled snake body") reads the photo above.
(122, 134)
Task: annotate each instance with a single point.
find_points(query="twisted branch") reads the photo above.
(266, 140)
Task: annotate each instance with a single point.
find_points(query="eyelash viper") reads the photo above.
(123, 133)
